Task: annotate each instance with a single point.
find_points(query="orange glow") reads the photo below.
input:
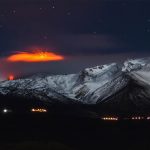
(34, 57)
(110, 118)
(11, 77)
(39, 110)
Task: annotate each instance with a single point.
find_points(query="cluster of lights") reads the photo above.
(110, 118)
(137, 118)
(38, 110)
(5, 111)
(132, 118)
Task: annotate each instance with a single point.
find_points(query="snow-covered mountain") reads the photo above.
(90, 86)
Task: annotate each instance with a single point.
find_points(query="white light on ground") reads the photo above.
(5, 110)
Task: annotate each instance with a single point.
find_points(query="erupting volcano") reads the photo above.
(35, 57)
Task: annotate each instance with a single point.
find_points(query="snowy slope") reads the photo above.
(90, 86)
(99, 82)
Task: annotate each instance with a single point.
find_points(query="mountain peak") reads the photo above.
(98, 69)
(91, 86)
(134, 64)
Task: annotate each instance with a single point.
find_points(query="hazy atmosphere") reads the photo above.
(84, 32)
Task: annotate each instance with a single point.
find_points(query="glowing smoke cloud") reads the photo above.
(34, 57)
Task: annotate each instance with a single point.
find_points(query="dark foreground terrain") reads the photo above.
(45, 132)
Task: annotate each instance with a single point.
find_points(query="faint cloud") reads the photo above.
(90, 43)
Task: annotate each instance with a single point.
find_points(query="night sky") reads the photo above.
(85, 32)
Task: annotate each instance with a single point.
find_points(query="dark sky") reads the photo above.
(86, 32)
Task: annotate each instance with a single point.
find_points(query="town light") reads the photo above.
(5, 110)
(110, 118)
(41, 110)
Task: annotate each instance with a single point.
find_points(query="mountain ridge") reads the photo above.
(90, 86)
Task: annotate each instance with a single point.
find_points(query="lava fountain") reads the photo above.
(11, 77)
(35, 57)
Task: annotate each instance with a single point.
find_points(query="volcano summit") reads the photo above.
(122, 86)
